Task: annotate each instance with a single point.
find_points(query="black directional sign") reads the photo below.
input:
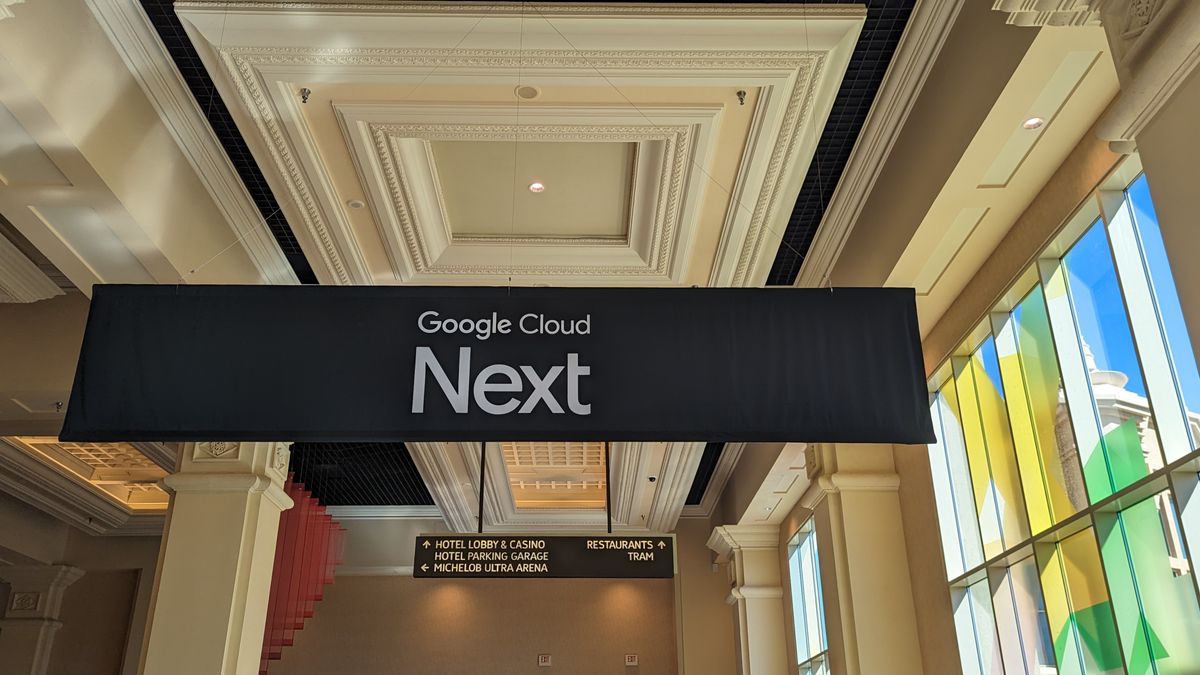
(539, 557)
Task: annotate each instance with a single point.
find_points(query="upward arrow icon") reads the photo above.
(426, 544)
(662, 544)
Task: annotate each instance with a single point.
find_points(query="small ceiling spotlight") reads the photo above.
(537, 186)
(528, 92)
(1033, 123)
(356, 203)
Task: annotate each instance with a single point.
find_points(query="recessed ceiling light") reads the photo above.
(528, 92)
(1033, 123)
(537, 186)
(356, 203)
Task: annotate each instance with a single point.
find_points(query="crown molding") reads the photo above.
(926, 33)
(69, 498)
(21, 280)
(166, 455)
(451, 470)
(728, 539)
(390, 147)
(730, 455)
(675, 478)
(384, 512)
(135, 39)
(448, 480)
(796, 90)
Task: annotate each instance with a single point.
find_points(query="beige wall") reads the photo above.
(376, 625)
(95, 624)
(752, 468)
(706, 621)
(1089, 163)
(29, 533)
(39, 345)
(104, 612)
(1169, 147)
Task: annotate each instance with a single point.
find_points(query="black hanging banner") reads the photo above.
(336, 363)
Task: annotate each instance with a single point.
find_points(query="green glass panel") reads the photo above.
(1078, 608)
(1091, 608)
(1051, 439)
(1118, 389)
(1152, 587)
(1068, 652)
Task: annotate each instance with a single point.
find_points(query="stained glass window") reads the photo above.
(1065, 466)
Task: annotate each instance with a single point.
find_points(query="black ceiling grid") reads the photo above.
(872, 55)
(170, 31)
(359, 474)
(383, 473)
(704, 473)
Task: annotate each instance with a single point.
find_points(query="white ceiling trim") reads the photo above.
(137, 42)
(241, 42)
(782, 135)
(20, 279)
(68, 497)
(442, 467)
(383, 512)
(451, 470)
(390, 147)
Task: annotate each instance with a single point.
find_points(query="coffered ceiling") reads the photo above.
(692, 182)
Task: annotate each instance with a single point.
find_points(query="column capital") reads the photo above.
(727, 539)
(229, 482)
(36, 591)
(231, 466)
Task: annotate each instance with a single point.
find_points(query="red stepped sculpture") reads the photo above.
(307, 551)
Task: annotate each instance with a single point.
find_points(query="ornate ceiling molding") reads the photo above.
(1050, 12)
(795, 88)
(108, 501)
(451, 470)
(1155, 45)
(20, 279)
(411, 215)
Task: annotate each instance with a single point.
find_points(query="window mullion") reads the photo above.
(1166, 399)
(1081, 406)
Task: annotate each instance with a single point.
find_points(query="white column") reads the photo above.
(31, 617)
(756, 591)
(210, 598)
(869, 602)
